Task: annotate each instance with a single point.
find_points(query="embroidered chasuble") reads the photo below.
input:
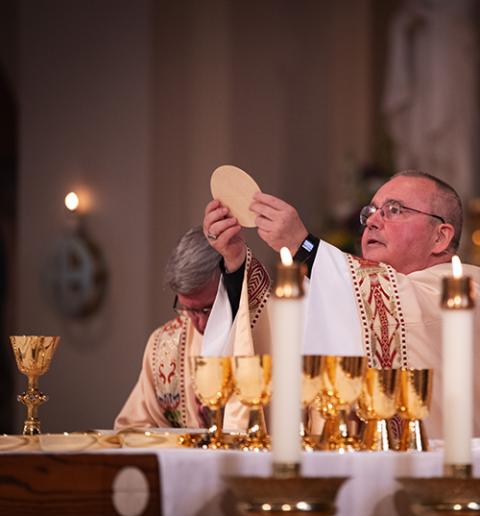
(358, 307)
(163, 395)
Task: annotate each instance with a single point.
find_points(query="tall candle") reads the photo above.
(457, 371)
(287, 332)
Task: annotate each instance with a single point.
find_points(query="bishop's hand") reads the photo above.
(224, 234)
(279, 224)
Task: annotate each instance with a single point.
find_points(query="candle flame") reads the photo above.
(456, 267)
(286, 256)
(72, 201)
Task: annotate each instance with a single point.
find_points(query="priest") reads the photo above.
(384, 304)
(163, 395)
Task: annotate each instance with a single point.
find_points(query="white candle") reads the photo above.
(457, 369)
(287, 331)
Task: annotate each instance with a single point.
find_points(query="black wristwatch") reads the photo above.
(307, 251)
(307, 247)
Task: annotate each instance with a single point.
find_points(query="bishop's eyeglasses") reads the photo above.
(391, 210)
(183, 310)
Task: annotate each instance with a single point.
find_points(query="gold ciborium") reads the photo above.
(213, 385)
(376, 404)
(33, 355)
(413, 405)
(252, 386)
(342, 379)
(311, 388)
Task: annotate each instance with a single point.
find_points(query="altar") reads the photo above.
(175, 481)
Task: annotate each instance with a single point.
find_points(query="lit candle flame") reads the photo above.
(456, 267)
(72, 201)
(286, 256)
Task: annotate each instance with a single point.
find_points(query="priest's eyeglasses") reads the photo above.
(391, 210)
(183, 310)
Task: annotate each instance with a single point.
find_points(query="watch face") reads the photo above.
(308, 245)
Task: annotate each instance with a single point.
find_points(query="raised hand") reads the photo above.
(279, 224)
(223, 232)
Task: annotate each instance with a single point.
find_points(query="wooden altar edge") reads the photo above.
(71, 484)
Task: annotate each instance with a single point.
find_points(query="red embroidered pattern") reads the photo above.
(383, 325)
(172, 326)
(258, 282)
(168, 367)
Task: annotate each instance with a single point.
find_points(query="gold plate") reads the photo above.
(66, 441)
(11, 442)
(146, 439)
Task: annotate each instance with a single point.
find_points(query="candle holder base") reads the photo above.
(286, 469)
(457, 470)
(440, 496)
(295, 495)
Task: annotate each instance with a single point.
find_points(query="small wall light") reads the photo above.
(72, 201)
(78, 275)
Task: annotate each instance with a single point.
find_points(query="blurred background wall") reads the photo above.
(133, 105)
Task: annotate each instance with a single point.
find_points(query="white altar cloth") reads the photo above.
(192, 482)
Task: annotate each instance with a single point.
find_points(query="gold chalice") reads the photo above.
(213, 385)
(376, 404)
(33, 355)
(252, 386)
(413, 405)
(311, 387)
(342, 379)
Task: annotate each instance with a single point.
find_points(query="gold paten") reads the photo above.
(213, 384)
(439, 496)
(252, 386)
(342, 379)
(413, 405)
(376, 404)
(33, 355)
(293, 496)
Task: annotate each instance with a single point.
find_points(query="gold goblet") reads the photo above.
(376, 404)
(413, 405)
(252, 386)
(311, 387)
(342, 379)
(33, 355)
(213, 385)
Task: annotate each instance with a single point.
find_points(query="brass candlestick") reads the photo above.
(442, 496)
(33, 355)
(294, 496)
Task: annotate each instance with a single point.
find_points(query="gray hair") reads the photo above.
(192, 263)
(448, 204)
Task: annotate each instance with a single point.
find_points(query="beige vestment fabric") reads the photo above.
(163, 395)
